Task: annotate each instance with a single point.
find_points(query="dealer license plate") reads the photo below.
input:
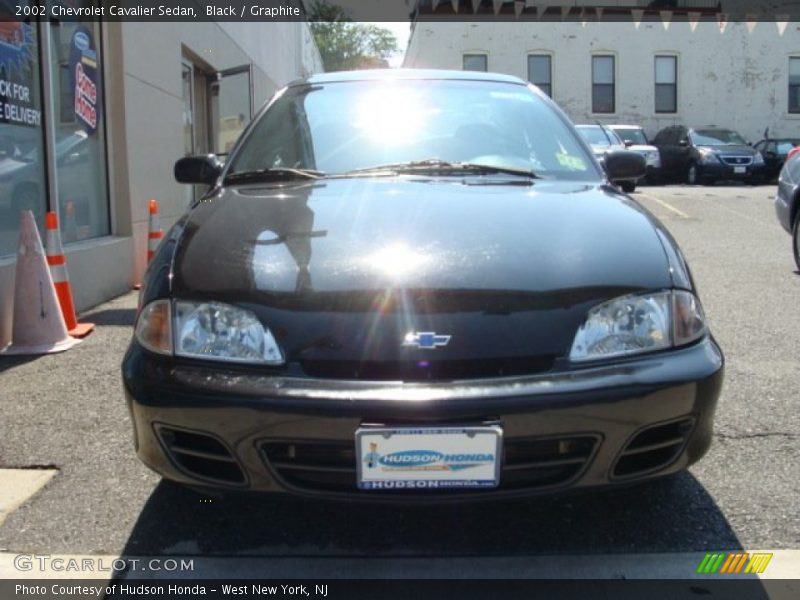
(740, 170)
(428, 457)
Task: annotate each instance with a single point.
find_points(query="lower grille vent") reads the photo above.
(653, 449)
(201, 456)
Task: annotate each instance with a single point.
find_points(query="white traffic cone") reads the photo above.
(38, 326)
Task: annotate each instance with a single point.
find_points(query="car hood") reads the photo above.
(732, 149)
(642, 148)
(343, 269)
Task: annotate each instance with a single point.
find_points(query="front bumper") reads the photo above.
(598, 421)
(725, 171)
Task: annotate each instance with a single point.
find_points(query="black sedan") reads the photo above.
(417, 285)
(787, 202)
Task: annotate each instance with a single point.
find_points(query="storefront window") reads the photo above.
(76, 76)
(21, 142)
(231, 108)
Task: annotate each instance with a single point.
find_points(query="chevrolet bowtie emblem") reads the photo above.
(425, 339)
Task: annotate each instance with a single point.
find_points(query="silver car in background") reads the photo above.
(634, 138)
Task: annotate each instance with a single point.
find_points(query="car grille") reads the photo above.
(653, 449)
(201, 455)
(737, 161)
(446, 370)
(528, 463)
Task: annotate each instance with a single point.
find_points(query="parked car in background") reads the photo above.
(602, 141)
(787, 202)
(379, 300)
(775, 151)
(635, 139)
(706, 155)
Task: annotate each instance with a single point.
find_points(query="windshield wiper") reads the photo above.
(435, 165)
(273, 174)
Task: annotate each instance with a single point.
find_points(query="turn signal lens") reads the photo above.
(688, 319)
(154, 327)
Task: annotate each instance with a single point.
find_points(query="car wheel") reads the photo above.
(693, 174)
(627, 186)
(796, 240)
(26, 197)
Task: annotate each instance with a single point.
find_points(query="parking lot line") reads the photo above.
(666, 205)
(17, 485)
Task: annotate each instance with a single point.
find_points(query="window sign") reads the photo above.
(21, 156)
(84, 64)
(17, 49)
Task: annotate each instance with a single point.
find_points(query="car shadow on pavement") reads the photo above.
(675, 514)
(115, 317)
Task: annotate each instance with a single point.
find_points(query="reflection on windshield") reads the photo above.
(343, 127)
(717, 137)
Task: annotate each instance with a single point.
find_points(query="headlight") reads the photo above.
(708, 157)
(653, 159)
(758, 159)
(217, 331)
(639, 323)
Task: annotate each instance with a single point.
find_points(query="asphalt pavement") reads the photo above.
(66, 411)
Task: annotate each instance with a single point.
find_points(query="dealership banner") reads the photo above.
(404, 10)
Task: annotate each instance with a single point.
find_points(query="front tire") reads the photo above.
(796, 240)
(693, 174)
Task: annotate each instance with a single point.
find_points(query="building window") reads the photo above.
(794, 85)
(666, 84)
(22, 160)
(80, 153)
(475, 62)
(603, 92)
(540, 72)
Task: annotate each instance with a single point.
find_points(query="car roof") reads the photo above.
(624, 126)
(407, 74)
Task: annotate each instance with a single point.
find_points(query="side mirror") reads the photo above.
(624, 164)
(683, 143)
(628, 143)
(203, 169)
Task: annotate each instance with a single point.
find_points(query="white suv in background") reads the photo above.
(635, 139)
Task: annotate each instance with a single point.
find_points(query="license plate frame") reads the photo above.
(424, 458)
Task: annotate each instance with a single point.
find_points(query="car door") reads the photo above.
(684, 151)
(669, 152)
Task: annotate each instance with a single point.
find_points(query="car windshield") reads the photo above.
(717, 137)
(596, 136)
(634, 135)
(345, 127)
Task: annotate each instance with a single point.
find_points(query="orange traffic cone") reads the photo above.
(38, 326)
(58, 271)
(154, 233)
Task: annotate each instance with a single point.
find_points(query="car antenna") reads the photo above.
(605, 133)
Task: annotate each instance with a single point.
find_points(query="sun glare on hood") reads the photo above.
(396, 261)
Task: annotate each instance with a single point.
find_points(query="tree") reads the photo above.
(345, 45)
